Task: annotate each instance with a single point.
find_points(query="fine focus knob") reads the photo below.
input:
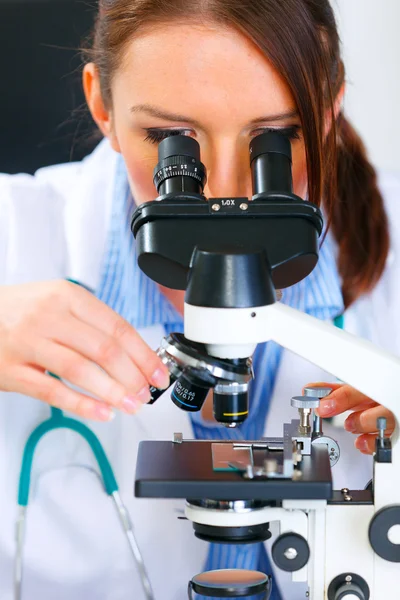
(317, 392)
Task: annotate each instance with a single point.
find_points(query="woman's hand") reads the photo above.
(362, 420)
(62, 328)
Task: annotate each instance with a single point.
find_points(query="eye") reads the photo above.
(155, 136)
(292, 132)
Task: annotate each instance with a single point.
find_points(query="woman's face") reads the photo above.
(209, 83)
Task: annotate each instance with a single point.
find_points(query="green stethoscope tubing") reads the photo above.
(58, 420)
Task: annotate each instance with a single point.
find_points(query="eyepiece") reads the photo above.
(271, 163)
(179, 169)
(178, 145)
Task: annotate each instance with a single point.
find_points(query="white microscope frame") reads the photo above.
(337, 535)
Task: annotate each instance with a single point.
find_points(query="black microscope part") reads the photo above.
(186, 362)
(380, 525)
(155, 393)
(283, 544)
(179, 169)
(189, 394)
(250, 534)
(346, 584)
(383, 450)
(178, 144)
(276, 221)
(231, 583)
(271, 164)
(231, 408)
(244, 279)
(167, 470)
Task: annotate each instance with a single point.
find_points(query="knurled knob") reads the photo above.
(304, 402)
(317, 392)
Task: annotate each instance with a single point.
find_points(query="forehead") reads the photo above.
(209, 72)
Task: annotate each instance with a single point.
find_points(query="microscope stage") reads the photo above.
(170, 470)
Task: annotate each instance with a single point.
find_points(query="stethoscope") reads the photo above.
(58, 420)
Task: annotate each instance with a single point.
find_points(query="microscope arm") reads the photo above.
(372, 371)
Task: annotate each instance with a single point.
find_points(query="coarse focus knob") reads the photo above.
(317, 392)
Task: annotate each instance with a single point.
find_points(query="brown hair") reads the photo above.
(300, 39)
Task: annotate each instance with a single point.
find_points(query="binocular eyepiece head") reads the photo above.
(180, 170)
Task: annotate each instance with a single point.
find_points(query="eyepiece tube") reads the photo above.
(179, 169)
(271, 164)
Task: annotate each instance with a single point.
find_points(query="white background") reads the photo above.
(370, 32)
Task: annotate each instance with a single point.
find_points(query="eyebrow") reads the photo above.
(153, 111)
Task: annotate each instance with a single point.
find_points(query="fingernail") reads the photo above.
(105, 413)
(349, 424)
(144, 396)
(130, 404)
(160, 379)
(326, 407)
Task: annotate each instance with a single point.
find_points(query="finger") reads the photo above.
(102, 350)
(365, 421)
(365, 405)
(342, 399)
(366, 443)
(30, 381)
(79, 371)
(89, 309)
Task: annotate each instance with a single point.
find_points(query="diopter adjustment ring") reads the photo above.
(179, 166)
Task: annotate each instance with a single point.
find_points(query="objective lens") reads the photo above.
(231, 403)
(179, 168)
(189, 394)
(271, 163)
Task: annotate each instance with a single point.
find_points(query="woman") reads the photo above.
(221, 71)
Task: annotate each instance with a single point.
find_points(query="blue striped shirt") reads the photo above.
(128, 291)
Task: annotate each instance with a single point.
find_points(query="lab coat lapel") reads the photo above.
(87, 215)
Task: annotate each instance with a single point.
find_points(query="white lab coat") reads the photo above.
(55, 225)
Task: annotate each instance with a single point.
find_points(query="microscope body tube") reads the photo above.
(374, 372)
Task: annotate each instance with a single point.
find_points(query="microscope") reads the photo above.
(232, 256)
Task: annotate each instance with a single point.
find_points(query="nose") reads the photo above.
(228, 171)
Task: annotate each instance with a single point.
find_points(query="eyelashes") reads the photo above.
(292, 132)
(155, 136)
